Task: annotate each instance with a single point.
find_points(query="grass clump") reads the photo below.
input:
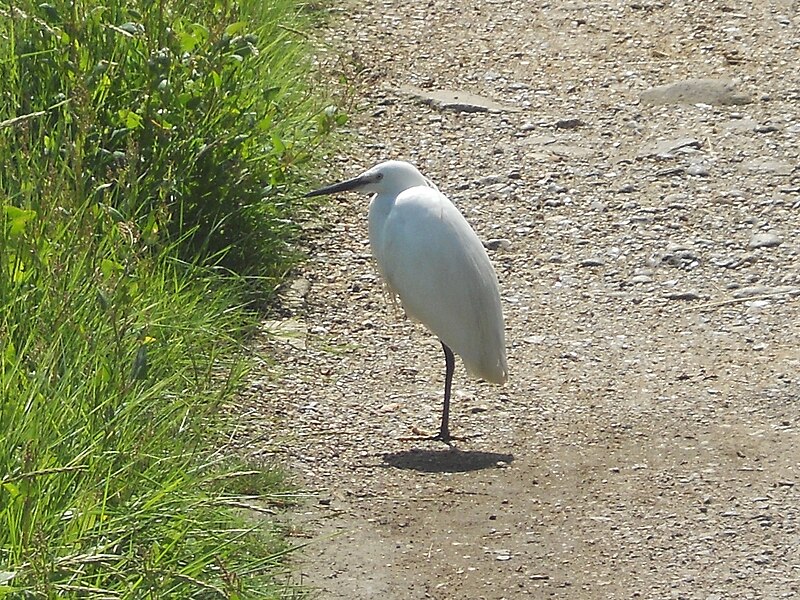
(144, 146)
(111, 379)
(189, 119)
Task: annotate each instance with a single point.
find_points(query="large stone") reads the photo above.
(764, 240)
(455, 100)
(667, 147)
(696, 91)
(767, 165)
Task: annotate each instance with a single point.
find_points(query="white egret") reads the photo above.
(431, 258)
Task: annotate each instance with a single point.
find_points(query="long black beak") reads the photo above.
(350, 184)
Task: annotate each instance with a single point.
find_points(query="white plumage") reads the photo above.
(430, 257)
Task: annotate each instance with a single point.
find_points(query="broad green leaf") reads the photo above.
(187, 41)
(130, 118)
(103, 374)
(12, 489)
(217, 79)
(17, 219)
(200, 32)
(108, 267)
(277, 144)
(235, 28)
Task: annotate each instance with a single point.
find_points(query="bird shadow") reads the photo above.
(451, 460)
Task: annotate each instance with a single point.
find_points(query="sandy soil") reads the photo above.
(647, 444)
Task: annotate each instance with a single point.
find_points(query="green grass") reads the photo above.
(189, 119)
(147, 149)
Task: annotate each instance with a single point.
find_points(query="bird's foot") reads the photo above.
(425, 436)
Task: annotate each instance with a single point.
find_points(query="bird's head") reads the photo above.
(393, 177)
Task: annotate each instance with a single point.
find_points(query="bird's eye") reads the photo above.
(379, 176)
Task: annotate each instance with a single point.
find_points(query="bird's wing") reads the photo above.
(431, 257)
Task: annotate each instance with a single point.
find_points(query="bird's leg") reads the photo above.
(450, 365)
(444, 430)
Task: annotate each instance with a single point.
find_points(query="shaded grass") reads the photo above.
(112, 377)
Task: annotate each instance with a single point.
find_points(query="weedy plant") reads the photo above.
(145, 145)
(189, 119)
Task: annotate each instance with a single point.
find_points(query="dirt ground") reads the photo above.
(647, 444)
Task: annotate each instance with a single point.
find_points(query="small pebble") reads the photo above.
(569, 123)
(637, 279)
(697, 170)
(686, 295)
(765, 128)
(592, 262)
(497, 244)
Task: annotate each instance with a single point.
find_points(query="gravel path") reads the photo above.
(647, 444)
